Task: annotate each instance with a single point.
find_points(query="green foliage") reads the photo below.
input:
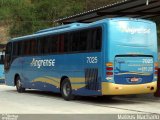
(92, 4)
(28, 16)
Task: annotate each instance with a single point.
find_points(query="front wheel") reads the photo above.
(19, 87)
(66, 90)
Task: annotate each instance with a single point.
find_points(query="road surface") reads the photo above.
(36, 102)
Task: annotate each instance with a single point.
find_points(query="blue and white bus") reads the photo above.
(115, 56)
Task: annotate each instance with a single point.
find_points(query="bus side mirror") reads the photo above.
(7, 57)
(2, 59)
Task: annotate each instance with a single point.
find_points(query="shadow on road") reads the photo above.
(104, 100)
(43, 93)
(127, 99)
(84, 99)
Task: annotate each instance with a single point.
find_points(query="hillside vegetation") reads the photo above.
(21, 17)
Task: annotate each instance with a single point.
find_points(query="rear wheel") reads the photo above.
(19, 87)
(66, 89)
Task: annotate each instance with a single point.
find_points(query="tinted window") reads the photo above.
(67, 42)
(95, 39)
(33, 47)
(75, 40)
(9, 48)
(15, 48)
(85, 40)
(84, 35)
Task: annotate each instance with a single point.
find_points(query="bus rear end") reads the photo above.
(130, 57)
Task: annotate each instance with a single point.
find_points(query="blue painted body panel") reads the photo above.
(2, 71)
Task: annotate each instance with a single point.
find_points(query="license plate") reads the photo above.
(134, 79)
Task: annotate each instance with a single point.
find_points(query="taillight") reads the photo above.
(156, 64)
(156, 68)
(156, 72)
(109, 64)
(109, 69)
(109, 73)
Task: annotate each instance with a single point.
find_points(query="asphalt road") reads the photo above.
(36, 102)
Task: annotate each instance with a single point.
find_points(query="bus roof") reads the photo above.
(72, 26)
(52, 30)
(61, 27)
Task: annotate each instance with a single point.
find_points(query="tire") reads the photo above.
(19, 87)
(66, 90)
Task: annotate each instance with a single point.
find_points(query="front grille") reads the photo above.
(91, 78)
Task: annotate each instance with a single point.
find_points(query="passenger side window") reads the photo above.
(83, 40)
(75, 41)
(95, 39)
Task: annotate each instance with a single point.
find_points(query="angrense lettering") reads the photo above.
(40, 63)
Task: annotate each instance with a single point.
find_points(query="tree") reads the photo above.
(28, 16)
